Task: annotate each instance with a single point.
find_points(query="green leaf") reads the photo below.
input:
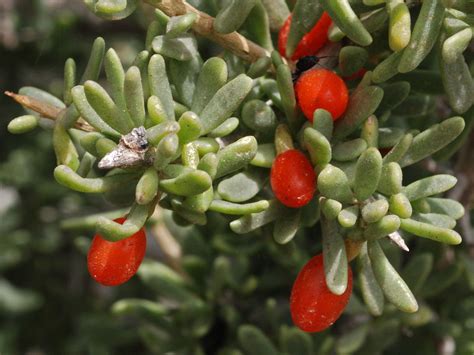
(23, 124)
(367, 174)
(88, 113)
(438, 220)
(226, 100)
(296, 342)
(305, 15)
(143, 308)
(113, 231)
(424, 35)
(323, 122)
(159, 84)
(374, 211)
(208, 163)
(70, 80)
(334, 257)
(182, 48)
(232, 208)
(386, 225)
(147, 187)
(67, 177)
(156, 133)
(399, 150)
(254, 342)
(253, 221)
(231, 17)
(212, 77)
(200, 202)
(429, 186)
(387, 69)
(389, 137)
(344, 17)
(362, 103)
(352, 59)
(184, 76)
(166, 151)
(190, 127)
(94, 65)
(286, 225)
(333, 183)
(330, 208)
(225, 128)
(446, 206)
(399, 32)
(390, 182)
(241, 187)
(102, 103)
(180, 24)
(352, 340)
(134, 98)
(287, 93)
(265, 156)
(370, 131)
(394, 95)
(236, 155)
(370, 289)
(392, 285)
(318, 147)
(187, 184)
(425, 230)
(457, 82)
(259, 116)
(259, 67)
(400, 205)
(164, 281)
(349, 150)
(348, 216)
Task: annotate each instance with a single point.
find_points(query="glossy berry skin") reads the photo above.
(113, 263)
(293, 179)
(313, 307)
(311, 42)
(321, 88)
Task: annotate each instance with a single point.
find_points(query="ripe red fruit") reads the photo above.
(113, 263)
(293, 179)
(313, 306)
(311, 42)
(321, 88)
(357, 75)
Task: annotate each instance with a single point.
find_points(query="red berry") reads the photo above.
(311, 42)
(313, 306)
(358, 74)
(113, 263)
(321, 88)
(293, 179)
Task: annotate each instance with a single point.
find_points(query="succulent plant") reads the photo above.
(193, 133)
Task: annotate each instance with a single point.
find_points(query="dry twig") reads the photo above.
(204, 26)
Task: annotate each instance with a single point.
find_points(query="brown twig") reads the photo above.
(45, 110)
(204, 26)
(169, 246)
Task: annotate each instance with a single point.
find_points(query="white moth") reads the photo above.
(131, 151)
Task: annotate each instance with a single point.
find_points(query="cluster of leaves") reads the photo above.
(203, 122)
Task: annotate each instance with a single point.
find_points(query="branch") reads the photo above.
(45, 110)
(204, 26)
(168, 245)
